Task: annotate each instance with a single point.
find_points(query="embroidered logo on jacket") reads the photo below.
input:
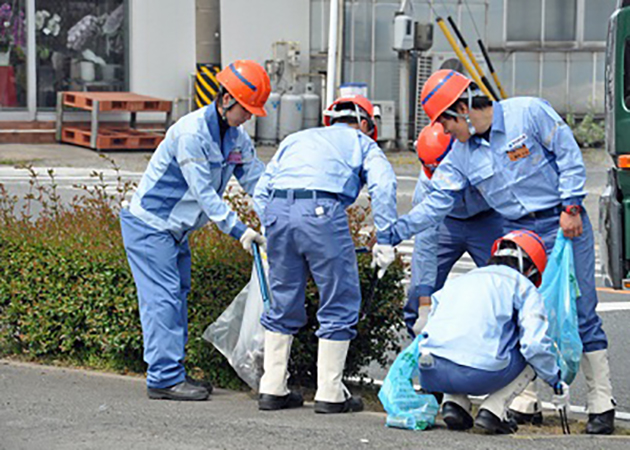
(518, 141)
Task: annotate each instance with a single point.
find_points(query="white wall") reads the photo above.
(162, 47)
(249, 27)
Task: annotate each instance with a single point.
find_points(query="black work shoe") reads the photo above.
(491, 424)
(268, 402)
(351, 404)
(603, 423)
(524, 418)
(200, 383)
(181, 391)
(456, 417)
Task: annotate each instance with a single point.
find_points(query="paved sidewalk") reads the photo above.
(52, 408)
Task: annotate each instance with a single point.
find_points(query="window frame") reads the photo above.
(578, 44)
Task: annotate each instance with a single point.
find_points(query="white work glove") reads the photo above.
(421, 321)
(250, 236)
(560, 397)
(382, 256)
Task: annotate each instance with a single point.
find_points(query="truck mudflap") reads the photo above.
(611, 243)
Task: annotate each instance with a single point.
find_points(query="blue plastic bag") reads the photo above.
(560, 290)
(405, 407)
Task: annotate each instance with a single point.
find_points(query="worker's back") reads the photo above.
(474, 319)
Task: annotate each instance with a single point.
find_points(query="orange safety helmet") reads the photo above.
(248, 83)
(528, 242)
(432, 146)
(363, 109)
(441, 90)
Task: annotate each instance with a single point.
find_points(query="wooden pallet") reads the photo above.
(111, 138)
(115, 102)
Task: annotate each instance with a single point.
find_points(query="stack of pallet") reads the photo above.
(109, 136)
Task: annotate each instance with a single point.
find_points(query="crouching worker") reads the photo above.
(301, 200)
(486, 334)
(179, 192)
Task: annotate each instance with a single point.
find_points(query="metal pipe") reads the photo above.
(31, 61)
(403, 100)
(341, 17)
(472, 58)
(331, 69)
(495, 77)
(460, 55)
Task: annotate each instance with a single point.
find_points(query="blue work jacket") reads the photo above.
(477, 319)
(532, 163)
(182, 187)
(468, 204)
(337, 159)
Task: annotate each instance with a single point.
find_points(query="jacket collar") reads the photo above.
(212, 119)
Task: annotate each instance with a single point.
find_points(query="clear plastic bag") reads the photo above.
(239, 335)
(560, 290)
(405, 407)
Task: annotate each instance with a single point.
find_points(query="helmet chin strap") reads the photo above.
(225, 109)
(471, 128)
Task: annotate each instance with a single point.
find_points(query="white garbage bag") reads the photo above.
(238, 334)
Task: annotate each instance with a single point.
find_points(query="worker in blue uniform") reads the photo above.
(472, 227)
(180, 191)
(523, 159)
(487, 335)
(301, 200)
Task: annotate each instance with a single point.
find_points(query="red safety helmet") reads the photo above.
(441, 90)
(528, 242)
(363, 109)
(248, 83)
(432, 146)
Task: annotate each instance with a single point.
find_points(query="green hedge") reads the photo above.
(67, 294)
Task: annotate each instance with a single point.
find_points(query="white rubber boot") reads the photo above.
(492, 416)
(599, 399)
(526, 408)
(276, 361)
(332, 396)
(274, 392)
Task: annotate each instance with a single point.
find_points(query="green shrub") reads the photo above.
(589, 132)
(67, 294)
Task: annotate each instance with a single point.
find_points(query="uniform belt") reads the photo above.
(478, 216)
(544, 213)
(303, 193)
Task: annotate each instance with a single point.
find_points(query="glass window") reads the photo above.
(581, 82)
(600, 78)
(560, 19)
(358, 21)
(12, 54)
(527, 74)
(384, 14)
(555, 80)
(80, 46)
(523, 20)
(596, 14)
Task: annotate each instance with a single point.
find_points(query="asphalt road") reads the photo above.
(51, 408)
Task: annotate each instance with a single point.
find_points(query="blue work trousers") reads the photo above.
(311, 235)
(589, 323)
(455, 237)
(161, 269)
(451, 378)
